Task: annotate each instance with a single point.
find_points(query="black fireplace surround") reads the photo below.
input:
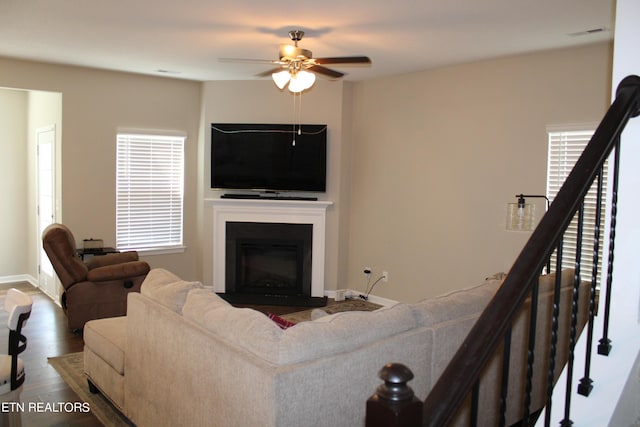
(269, 263)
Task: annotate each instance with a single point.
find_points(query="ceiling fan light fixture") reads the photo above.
(307, 78)
(281, 78)
(296, 85)
(302, 80)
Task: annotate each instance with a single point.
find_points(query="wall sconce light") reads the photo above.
(521, 215)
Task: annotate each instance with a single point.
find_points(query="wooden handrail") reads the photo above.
(489, 331)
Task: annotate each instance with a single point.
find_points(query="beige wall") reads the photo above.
(262, 102)
(438, 155)
(22, 112)
(421, 166)
(95, 104)
(13, 182)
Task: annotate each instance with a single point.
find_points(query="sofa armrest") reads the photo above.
(121, 271)
(111, 259)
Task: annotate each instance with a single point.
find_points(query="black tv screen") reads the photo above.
(269, 157)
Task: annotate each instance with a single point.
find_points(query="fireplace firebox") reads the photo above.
(269, 263)
(269, 266)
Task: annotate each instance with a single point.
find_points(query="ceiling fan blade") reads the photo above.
(343, 60)
(250, 61)
(324, 70)
(269, 72)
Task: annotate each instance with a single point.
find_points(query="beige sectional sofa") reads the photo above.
(184, 356)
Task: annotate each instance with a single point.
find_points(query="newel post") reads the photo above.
(394, 404)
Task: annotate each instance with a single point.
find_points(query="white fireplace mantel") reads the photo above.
(270, 211)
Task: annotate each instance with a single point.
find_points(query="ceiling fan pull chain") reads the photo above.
(300, 114)
(293, 143)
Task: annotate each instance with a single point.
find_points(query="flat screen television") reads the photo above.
(269, 157)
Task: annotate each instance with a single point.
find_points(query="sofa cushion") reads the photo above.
(256, 333)
(342, 332)
(547, 282)
(107, 338)
(200, 301)
(455, 305)
(157, 277)
(244, 327)
(472, 301)
(167, 289)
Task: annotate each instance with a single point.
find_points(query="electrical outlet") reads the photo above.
(385, 276)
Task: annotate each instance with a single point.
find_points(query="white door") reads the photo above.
(46, 138)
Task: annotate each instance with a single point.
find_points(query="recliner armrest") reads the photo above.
(121, 271)
(111, 259)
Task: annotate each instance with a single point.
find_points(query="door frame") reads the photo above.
(47, 280)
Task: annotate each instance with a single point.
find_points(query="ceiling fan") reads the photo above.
(297, 64)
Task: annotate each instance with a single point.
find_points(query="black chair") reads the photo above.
(18, 306)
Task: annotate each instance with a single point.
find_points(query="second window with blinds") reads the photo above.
(566, 144)
(150, 193)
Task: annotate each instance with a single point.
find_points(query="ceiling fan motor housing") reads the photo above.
(294, 53)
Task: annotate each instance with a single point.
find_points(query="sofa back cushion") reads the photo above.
(343, 332)
(167, 289)
(259, 335)
(455, 305)
(460, 304)
(243, 327)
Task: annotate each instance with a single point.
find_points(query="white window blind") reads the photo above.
(565, 147)
(149, 192)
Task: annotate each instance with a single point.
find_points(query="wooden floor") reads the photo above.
(47, 336)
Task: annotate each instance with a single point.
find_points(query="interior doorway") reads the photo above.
(46, 196)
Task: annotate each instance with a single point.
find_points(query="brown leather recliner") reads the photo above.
(97, 288)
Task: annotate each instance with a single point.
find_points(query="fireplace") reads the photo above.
(272, 259)
(310, 215)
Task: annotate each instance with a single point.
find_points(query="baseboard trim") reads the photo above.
(32, 281)
(19, 278)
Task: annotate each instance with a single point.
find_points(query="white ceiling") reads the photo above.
(186, 38)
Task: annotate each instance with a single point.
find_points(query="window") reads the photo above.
(149, 192)
(565, 147)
